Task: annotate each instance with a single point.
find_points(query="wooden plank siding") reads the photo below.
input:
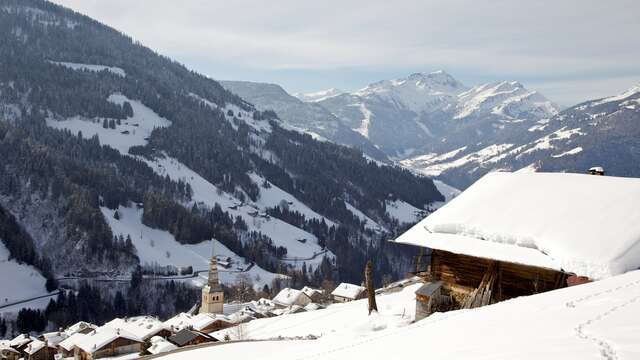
(462, 274)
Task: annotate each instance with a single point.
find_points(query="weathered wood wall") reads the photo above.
(463, 274)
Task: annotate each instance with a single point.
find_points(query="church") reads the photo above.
(212, 294)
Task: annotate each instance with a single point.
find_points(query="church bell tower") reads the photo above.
(212, 294)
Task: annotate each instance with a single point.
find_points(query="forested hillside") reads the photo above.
(92, 121)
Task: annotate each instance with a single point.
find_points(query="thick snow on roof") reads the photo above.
(309, 291)
(348, 291)
(598, 320)
(160, 345)
(102, 336)
(69, 343)
(142, 327)
(583, 224)
(288, 297)
(34, 346)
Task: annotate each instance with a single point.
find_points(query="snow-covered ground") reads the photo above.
(598, 320)
(369, 223)
(159, 247)
(24, 282)
(88, 67)
(336, 321)
(132, 131)
(403, 211)
(300, 244)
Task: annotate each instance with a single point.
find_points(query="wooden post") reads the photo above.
(371, 292)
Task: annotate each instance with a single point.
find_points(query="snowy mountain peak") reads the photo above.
(508, 98)
(418, 92)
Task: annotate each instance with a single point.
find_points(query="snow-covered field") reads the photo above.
(133, 131)
(403, 211)
(88, 67)
(598, 320)
(23, 283)
(159, 247)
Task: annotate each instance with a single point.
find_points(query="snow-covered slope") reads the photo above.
(302, 246)
(159, 247)
(133, 131)
(89, 67)
(600, 132)
(306, 116)
(591, 321)
(18, 281)
(318, 95)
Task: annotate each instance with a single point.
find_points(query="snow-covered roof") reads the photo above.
(34, 346)
(102, 336)
(79, 326)
(349, 291)
(20, 340)
(288, 297)
(69, 343)
(582, 224)
(179, 322)
(54, 338)
(309, 291)
(141, 326)
(160, 345)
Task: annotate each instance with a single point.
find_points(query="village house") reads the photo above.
(314, 294)
(346, 292)
(188, 337)
(106, 342)
(80, 327)
(517, 234)
(160, 345)
(67, 347)
(38, 350)
(7, 352)
(288, 297)
(143, 327)
(201, 322)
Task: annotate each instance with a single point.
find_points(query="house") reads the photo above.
(288, 297)
(143, 327)
(7, 352)
(80, 327)
(20, 342)
(517, 234)
(160, 345)
(53, 338)
(202, 322)
(314, 294)
(187, 337)
(38, 350)
(346, 292)
(67, 346)
(106, 342)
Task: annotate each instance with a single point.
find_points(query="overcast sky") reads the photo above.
(569, 50)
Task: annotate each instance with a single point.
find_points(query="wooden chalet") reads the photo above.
(106, 342)
(518, 234)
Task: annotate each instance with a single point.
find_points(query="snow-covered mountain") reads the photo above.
(306, 116)
(428, 112)
(318, 95)
(602, 132)
(114, 156)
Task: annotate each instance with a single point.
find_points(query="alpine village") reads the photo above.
(150, 211)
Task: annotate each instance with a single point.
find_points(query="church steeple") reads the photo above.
(213, 281)
(212, 294)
